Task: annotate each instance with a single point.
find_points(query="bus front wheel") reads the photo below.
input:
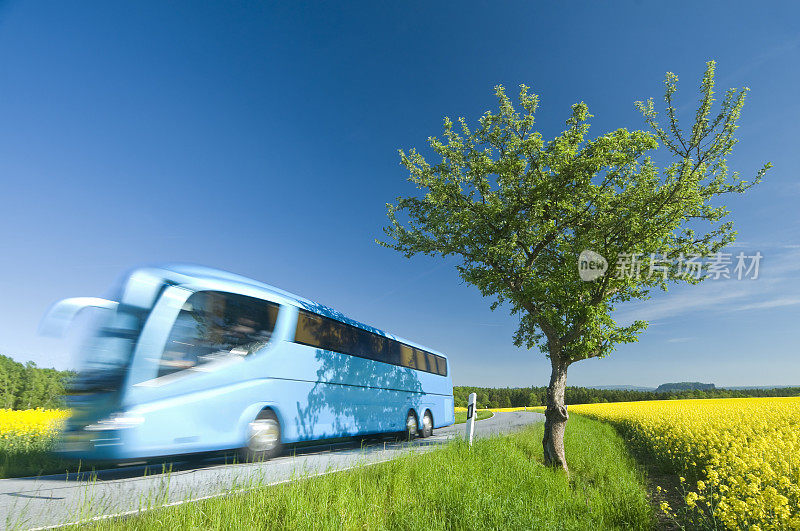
(263, 438)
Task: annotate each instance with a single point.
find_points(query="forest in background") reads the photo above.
(28, 386)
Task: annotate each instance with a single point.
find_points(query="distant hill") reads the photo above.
(684, 386)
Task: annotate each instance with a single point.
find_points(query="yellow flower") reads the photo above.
(691, 499)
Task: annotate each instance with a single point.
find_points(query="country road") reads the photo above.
(59, 499)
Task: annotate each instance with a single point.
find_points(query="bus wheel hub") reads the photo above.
(264, 435)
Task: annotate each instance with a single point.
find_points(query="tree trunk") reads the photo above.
(555, 418)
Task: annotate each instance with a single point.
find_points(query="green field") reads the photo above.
(461, 416)
(33, 459)
(500, 483)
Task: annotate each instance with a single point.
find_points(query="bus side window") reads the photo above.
(306, 332)
(419, 356)
(317, 331)
(375, 347)
(407, 356)
(329, 334)
(392, 352)
(431, 362)
(441, 365)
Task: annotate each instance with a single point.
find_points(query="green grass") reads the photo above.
(461, 416)
(498, 484)
(31, 458)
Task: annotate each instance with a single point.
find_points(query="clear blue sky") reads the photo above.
(262, 139)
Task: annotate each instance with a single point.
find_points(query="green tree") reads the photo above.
(517, 211)
(28, 386)
(7, 388)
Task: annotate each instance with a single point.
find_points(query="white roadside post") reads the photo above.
(471, 416)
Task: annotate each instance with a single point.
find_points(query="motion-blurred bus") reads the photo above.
(188, 359)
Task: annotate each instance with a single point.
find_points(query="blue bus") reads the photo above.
(187, 359)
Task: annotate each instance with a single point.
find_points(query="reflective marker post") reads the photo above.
(471, 416)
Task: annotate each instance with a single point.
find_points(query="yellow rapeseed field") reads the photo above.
(20, 430)
(743, 453)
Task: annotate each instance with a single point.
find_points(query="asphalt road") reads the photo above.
(59, 499)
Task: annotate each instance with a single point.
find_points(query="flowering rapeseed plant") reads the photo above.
(22, 430)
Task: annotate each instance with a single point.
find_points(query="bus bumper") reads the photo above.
(92, 445)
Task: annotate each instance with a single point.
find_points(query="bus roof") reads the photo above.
(197, 271)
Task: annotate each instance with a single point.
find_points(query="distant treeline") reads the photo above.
(28, 386)
(489, 397)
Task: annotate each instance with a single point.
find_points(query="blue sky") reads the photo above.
(262, 139)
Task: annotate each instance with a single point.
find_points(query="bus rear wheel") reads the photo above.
(427, 425)
(411, 425)
(263, 438)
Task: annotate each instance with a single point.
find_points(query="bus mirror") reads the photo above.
(62, 313)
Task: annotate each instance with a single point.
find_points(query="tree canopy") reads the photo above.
(28, 386)
(518, 210)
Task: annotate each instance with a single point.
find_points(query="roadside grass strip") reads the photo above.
(499, 483)
(480, 414)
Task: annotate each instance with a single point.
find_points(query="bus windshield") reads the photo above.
(107, 351)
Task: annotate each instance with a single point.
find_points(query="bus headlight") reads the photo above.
(115, 422)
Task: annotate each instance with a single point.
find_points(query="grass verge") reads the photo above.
(500, 484)
(461, 416)
(32, 459)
